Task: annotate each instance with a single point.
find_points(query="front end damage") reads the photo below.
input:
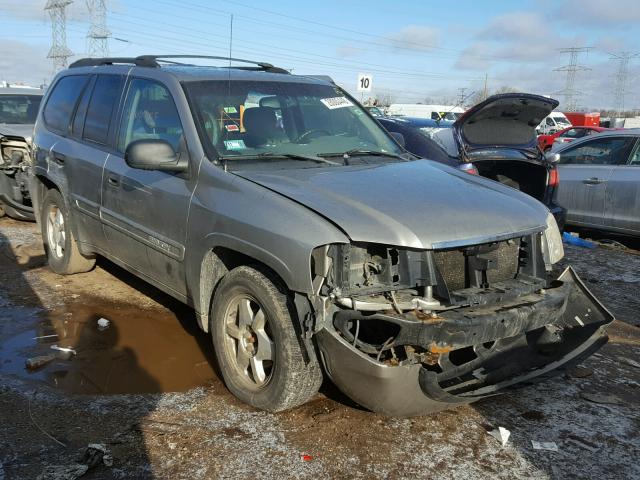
(407, 332)
(15, 161)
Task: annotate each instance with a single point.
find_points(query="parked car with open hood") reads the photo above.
(305, 238)
(18, 111)
(496, 139)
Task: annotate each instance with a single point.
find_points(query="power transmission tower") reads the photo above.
(98, 35)
(569, 93)
(59, 51)
(621, 77)
(461, 96)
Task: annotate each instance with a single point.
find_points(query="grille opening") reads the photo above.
(462, 355)
(374, 332)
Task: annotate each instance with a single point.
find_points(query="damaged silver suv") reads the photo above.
(304, 236)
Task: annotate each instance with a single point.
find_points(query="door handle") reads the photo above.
(593, 181)
(113, 181)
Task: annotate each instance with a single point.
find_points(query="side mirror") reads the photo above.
(552, 157)
(398, 137)
(154, 154)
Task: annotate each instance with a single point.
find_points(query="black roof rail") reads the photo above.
(260, 65)
(143, 61)
(154, 61)
(326, 78)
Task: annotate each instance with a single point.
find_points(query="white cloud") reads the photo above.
(33, 10)
(21, 62)
(348, 51)
(516, 25)
(415, 37)
(618, 13)
(474, 57)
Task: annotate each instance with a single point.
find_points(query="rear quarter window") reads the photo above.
(62, 101)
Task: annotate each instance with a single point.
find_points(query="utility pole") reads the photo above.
(569, 93)
(621, 77)
(461, 97)
(98, 35)
(59, 51)
(485, 92)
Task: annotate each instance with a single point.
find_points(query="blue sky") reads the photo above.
(415, 50)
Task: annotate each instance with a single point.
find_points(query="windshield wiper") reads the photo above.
(276, 156)
(361, 153)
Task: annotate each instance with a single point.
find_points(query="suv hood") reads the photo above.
(418, 204)
(507, 120)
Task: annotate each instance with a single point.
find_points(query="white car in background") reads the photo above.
(553, 123)
(434, 112)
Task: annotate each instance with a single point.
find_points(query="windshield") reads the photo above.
(19, 109)
(562, 121)
(257, 118)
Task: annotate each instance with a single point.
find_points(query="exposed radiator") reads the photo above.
(452, 264)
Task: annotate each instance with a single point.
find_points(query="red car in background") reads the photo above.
(566, 135)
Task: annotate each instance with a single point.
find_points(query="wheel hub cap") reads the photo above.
(248, 340)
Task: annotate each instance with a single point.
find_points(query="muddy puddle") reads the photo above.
(141, 351)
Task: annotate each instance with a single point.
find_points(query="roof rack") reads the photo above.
(155, 61)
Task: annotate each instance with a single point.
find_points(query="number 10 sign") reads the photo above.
(364, 82)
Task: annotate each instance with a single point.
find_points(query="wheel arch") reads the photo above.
(38, 188)
(216, 263)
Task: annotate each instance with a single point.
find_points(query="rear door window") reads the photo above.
(62, 101)
(599, 151)
(104, 99)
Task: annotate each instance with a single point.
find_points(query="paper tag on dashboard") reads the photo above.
(336, 102)
(234, 144)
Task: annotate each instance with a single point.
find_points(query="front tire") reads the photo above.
(57, 235)
(260, 353)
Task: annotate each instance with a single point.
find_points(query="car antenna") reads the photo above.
(224, 165)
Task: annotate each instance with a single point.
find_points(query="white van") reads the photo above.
(552, 123)
(434, 112)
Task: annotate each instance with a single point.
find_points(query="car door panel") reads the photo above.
(585, 170)
(622, 204)
(582, 192)
(145, 212)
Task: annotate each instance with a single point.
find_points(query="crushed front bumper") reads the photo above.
(509, 345)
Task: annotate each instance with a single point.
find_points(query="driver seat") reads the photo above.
(261, 125)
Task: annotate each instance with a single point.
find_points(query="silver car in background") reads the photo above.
(18, 110)
(600, 181)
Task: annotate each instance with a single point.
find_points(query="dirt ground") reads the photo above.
(147, 389)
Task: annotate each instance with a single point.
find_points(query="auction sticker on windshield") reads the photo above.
(234, 144)
(336, 102)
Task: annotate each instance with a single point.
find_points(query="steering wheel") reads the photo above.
(314, 131)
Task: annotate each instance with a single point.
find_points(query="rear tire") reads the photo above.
(259, 352)
(57, 236)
